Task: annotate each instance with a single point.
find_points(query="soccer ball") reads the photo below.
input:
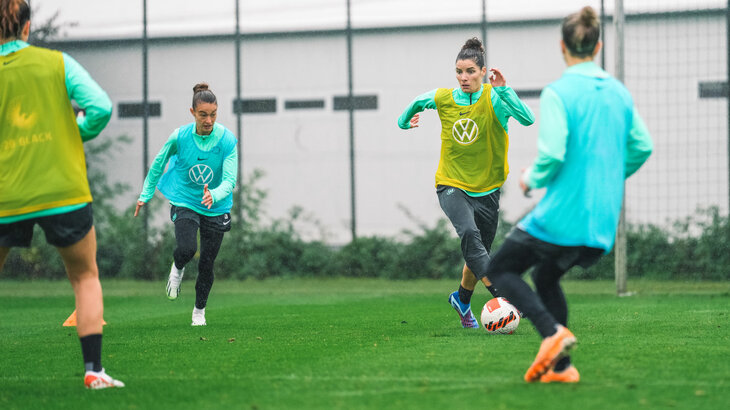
(499, 316)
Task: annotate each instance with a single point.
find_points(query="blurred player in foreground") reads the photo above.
(199, 185)
(43, 179)
(473, 163)
(591, 139)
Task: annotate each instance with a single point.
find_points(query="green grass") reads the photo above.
(362, 344)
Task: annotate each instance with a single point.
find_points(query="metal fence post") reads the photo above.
(350, 110)
(484, 37)
(145, 111)
(620, 248)
(239, 134)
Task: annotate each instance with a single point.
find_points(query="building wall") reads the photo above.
(304, 153)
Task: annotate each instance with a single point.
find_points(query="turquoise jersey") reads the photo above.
(217, 151)
(591, 139)
(90, 97)
(505, 101)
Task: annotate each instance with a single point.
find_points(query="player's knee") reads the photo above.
(185, 253)
(471, 238)
(496, 269)
(541, 281)
(88, 275)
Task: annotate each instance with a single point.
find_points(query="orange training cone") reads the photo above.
(71, 321)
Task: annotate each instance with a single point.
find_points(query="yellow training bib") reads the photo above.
(42, 162)
(473, 143)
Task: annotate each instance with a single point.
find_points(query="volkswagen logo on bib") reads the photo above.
(465, 131)
(201, 174)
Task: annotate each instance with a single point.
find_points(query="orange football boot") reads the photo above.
(569, 375)
(551, 350)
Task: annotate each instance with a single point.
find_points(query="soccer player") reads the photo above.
(591, 138)
(43, 179)
(199, 185)
(473, 164)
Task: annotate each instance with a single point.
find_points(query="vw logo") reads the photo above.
(465, 131)
(201, 174)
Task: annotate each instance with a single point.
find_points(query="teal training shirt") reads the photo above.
(600, 149)
(89, 96)
(505, 101)
(553, 134)
(204, 143)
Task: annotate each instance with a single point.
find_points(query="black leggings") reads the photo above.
(547, 306)
(186, 236)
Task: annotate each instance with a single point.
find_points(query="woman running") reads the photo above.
(199, 185)
(591, 139)
(43, 179)
(473, 163)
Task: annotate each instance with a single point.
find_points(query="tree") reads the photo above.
(43, 33)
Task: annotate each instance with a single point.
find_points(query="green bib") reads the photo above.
(473, 143)
(41, 152)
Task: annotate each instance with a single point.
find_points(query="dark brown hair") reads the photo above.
(13, 16)
(201, 93)
(581, 31)
(472, 50)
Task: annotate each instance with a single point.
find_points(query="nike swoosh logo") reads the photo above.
(8, 62)
(464, 113)
(226, 222)
(202, 159)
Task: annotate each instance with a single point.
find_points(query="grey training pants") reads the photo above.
(475, 220)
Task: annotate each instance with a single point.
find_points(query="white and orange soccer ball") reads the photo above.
(499, 316)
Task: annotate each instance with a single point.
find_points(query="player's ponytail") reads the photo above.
(472, 50)
(13, 16)
(201, 93)
(581, 31)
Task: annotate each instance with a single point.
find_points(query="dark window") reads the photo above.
(717, 89)
(303, 104)
(254, 105)
(528, 93)
(359, 102)
(135, 110)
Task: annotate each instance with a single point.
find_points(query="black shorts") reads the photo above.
(61, 230)
(565, 257)
(219, 223)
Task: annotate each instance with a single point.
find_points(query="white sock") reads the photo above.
(176, 271)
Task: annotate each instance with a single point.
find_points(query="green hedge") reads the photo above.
(432, 252)
(693, 248)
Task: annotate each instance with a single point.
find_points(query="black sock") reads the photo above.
(465, 295)
(493, 291)
(562, 364)
(91, 350)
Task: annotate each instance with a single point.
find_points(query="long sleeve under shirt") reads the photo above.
(205, 143)
(553, 136)
(88, 95)
(505, 102)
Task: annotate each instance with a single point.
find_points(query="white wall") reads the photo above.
(305, 153)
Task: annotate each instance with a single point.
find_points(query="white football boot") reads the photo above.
(173, 282)
(100, 380)
(198, 317)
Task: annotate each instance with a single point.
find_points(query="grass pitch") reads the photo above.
(362, 344)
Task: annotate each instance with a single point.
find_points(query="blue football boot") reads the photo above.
(464, 310)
